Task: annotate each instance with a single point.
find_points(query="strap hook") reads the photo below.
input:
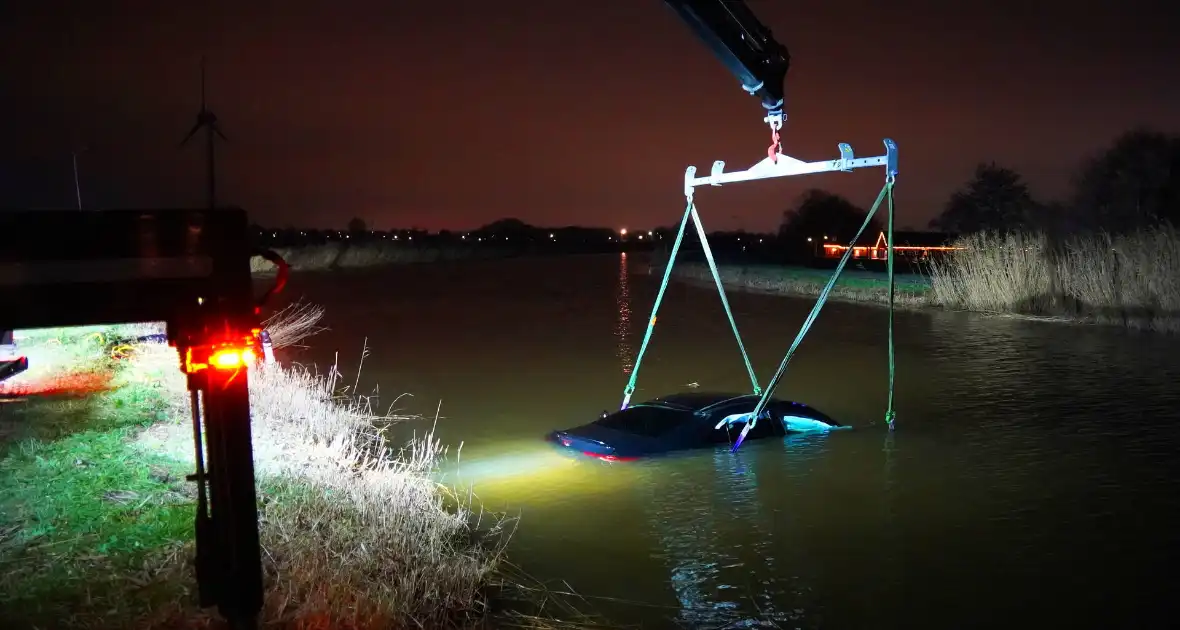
(774, 149)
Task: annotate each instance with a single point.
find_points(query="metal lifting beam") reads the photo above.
(785, 166)
(778, 165)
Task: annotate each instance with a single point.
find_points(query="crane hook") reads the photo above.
(775, 145)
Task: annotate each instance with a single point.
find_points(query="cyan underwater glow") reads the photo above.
(799, 424)
(793, 424)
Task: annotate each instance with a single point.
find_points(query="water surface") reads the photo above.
(1031, 479)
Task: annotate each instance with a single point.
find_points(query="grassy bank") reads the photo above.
(853, 285)
(1131, 280)
(96, 519)
(344, 255)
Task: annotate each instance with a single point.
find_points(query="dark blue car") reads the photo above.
(687, 421)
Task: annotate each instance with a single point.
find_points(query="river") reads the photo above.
(1031, 478)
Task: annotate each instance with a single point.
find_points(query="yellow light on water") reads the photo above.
(536, 471)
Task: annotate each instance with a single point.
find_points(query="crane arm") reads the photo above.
(744, 45)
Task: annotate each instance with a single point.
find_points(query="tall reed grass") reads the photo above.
(1131, 280)
(355, 532)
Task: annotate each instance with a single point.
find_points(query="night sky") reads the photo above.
(448, 114)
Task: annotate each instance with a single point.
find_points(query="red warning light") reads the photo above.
(231, 358)
(223, 356)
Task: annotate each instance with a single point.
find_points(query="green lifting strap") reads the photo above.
(689, 212)
(886, 191)
(890, 416)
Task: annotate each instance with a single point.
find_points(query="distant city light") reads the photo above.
(623, 232)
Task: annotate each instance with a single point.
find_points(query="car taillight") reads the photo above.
(609, 458)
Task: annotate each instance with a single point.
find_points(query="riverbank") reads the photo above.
(343, 255)
(96, 517)
(854, 286)
(1131, 281)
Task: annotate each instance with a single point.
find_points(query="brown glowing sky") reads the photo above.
(453, 113)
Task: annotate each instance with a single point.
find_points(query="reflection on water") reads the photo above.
(1031, 480)
(623, 304)
(725, 542)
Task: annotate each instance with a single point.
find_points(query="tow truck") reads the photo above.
(11, 361)
(190, 268)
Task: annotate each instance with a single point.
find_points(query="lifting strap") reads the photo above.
(890, 416)
(689, 212)
(886, 192)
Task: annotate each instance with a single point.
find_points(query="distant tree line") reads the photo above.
(513, 237)
(1132, 184)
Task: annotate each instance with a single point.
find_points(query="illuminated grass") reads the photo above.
(96, 520)
(87, 522)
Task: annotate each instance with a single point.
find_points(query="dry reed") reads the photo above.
(1131, 279)
(294, 323)
(356, 534)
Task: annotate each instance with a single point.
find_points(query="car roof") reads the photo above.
(698, 401)
(707, 401)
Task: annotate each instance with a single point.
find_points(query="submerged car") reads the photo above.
(687, 421)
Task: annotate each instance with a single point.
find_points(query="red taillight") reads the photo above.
(221, 356)
(231, 358)
(609, 458)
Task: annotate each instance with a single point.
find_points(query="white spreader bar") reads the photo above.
(786, 166)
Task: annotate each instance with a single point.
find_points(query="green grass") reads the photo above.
(85, 519)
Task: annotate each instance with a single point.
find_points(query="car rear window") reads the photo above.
(646, 420)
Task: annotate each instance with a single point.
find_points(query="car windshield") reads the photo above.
(646, 420)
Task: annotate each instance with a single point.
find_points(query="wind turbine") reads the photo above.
(208, 120)
(77, 182)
